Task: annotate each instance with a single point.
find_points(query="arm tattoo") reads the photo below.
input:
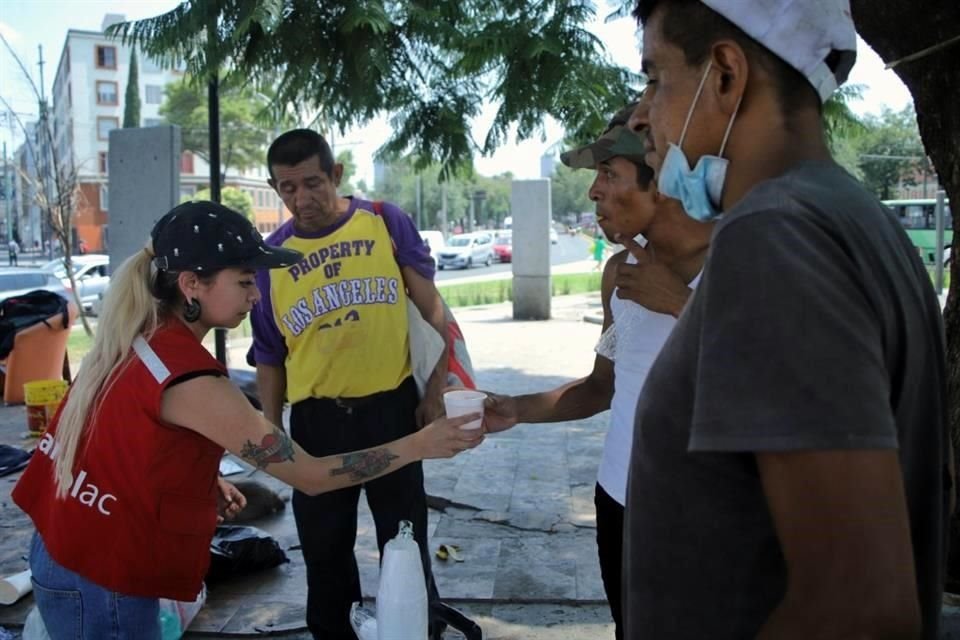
(364, 465)
(275, 447)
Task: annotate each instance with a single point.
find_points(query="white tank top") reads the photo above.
(640, 334)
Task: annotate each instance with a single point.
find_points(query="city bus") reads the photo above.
(917, 219)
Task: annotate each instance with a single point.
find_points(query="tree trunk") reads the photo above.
(899, 28)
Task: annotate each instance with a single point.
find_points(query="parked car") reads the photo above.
(433, 240)
(554, 239)
(91, 273)
(15, 281)
(503, 247)
(465, 250)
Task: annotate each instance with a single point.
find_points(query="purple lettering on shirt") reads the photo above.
(319, 304)
(392, 297)
(381, 288)
(368, 295)
(305, 311)
(288, 322)
(368, 245)
(344, 249)
(333, 297)
(344, 288)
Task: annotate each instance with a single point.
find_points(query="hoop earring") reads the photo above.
(191, 310)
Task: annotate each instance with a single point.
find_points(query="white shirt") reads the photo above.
(640, 334)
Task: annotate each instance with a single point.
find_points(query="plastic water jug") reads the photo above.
(402, 597)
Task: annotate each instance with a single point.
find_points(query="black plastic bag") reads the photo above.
(12, 459)
(237, 551)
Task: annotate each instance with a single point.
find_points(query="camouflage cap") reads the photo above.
(616, 141)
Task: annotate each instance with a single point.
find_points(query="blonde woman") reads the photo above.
(123, 488)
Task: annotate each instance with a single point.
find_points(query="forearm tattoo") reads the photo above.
(364, 465)
(275, 447)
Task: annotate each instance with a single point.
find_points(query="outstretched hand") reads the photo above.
(649, 283)
(230, 502)
(443, 438)
(499, 412)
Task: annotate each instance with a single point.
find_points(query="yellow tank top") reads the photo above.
(342, 312)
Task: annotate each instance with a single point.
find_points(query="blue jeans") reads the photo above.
(73, 608)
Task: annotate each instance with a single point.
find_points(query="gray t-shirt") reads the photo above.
(815, 326)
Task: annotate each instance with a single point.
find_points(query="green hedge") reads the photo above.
(495, 291)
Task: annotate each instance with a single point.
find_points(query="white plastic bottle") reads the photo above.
(402, 597)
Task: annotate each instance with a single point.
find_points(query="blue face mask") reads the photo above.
(698, 189)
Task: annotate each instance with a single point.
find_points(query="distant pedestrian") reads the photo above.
(14, 249)
(599, 246)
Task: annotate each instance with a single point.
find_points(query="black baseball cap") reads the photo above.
(206, 236)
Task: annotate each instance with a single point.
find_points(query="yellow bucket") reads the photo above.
(42, 398)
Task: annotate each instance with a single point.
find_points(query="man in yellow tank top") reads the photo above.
(330, 336)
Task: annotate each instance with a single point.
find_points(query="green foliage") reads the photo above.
(431, 65)
(232, 197)
(496, 205)
(496, 291)
(569, 189)
(400, 187)
(131, 99)
(840, 123)
(243, 135)
(847, 154)
(349, 170)
(890, 151)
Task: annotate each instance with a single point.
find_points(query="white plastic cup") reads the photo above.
(463, 402)
(14, 587)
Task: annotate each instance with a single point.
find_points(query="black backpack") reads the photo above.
(20, 312)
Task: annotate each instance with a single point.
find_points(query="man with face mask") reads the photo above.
(790, 473)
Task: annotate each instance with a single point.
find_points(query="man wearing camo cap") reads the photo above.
(643, 290)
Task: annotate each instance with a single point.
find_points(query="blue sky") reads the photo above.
(27, 23)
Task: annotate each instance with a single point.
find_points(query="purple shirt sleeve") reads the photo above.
(269, 347)
(410, 248)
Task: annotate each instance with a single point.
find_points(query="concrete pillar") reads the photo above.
(530, 208)
(144, 174)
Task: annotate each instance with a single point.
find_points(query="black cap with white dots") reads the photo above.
(206, 236)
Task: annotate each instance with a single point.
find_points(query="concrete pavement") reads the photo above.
(530, 568)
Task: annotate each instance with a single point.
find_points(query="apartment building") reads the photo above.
(88, 102)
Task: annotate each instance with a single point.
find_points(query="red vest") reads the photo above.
(142, 509)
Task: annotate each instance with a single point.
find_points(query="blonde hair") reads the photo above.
(132, 306)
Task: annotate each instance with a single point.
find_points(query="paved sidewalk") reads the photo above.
(530, 569)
